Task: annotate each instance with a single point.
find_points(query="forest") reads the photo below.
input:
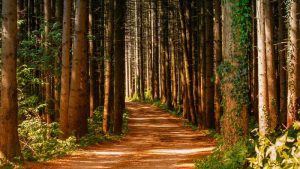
(140, 84)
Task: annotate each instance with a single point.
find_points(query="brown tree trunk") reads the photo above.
(75, 115)
(48, 92)
(293, 65)
(9, 140)
(271, 67)
(65, 75)
(209, 91)
(217, 62)
(234, 123)
(109, 53)
(119, 94)
(282, 63)
(185, 35)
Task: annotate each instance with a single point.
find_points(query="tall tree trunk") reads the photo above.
(9, 140)
(263, 100)
(76, 115)
(185, 27)
(156, 53)
(209, 91)
(65, 75)
(293, 65)
(282, 63)
(271, 67)
(234, 123)
(141, 45)
(109, 53)
(119, 94)
(217, 62)
(48, 92)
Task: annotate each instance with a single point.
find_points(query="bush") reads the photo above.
(232, 158)
(39, 141)
(278, 152)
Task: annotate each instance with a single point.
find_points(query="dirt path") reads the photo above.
(156, 140)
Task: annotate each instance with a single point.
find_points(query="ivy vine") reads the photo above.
(239, 67)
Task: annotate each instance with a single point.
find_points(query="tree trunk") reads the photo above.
(263, 100)
(217, 62)
(76, 105)
(293, 65)
(271, 67)
(65, 75)
(119, 94)
(9, 140)
(109, 53)
(282, 63)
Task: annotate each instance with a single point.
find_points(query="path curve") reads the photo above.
(156, 140)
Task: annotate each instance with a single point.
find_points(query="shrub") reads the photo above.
(232, 158)
(278, 152)
(39, 141)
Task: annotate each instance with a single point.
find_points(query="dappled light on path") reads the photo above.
(156, 140)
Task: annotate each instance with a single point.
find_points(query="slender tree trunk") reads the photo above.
(76, 106)
(119, 94)
(271, 67)
(293, 65)
(65, 75)
(141, 45)
(185, 27)
(9, 140)
(217, 62)
(209, 91)
(156, 53)
(263, 101)
(48, 93)
(109, 53)
(282, 63)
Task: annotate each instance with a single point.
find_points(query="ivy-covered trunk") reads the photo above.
(234, 70)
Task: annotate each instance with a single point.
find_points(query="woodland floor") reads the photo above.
(156, 140)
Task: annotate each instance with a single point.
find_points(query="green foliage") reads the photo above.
(282, 151)
(233, 158)
(95, 134)
(40, 142)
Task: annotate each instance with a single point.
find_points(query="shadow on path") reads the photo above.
(156, 140)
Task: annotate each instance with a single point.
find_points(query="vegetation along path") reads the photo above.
(156, 139)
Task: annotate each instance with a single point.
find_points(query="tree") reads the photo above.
(217, 61)
(48, 93)
(76, 106)
(9, 140)
(271, 67)
(293, 64)
(119, 94)
(65, 75)
(234, 123)
(109, 53)
(263, 100)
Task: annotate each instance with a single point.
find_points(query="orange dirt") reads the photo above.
(156, 140)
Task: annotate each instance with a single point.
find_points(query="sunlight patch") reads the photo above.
(180, 151)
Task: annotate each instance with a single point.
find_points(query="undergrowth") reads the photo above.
(234, 157)
(40, 141)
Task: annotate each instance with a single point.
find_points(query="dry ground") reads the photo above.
(156, 140)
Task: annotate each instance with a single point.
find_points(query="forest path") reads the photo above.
(156, 140)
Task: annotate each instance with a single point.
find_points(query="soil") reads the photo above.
(156, 140)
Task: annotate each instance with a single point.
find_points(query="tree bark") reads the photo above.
(65, 75)
(119, 94)
(76, 106)
(9, 140)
